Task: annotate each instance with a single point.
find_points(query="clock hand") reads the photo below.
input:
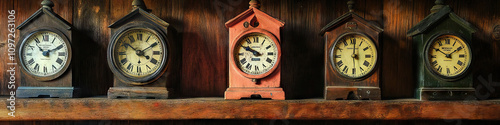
(39, 47)
(126, 44)
(152, 45)
(354, 54)
(57, 48)
(440, 51)
(255, 53)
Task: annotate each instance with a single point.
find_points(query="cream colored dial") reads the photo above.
(255, 54)
(44, 53)
(354, 55)
(138, 53)
(448, 56)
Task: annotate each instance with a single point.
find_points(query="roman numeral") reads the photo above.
(139, 69)
(461, 56)
(62, 53)
(243, 61)
(123, 61)
(29, 54)
(147, 38)
(131, 38)
(338, 56)
(263, 42)
(340, 63)
(36, 67)
(270, 53)
(365, 49)
(129, 66)
(45, 69)
(345, 43)
(249, 67)
(154, 61)
(353, 71)
(268, 47)
(269, 60)
(433, 56)
(45, 37)
(455, 68)
(148, 67)
(434, 63)
(264, 66)
(361, 69)
(361, 43)
(345, 69)
(454, 43)
(256, 40)
(460, 63)
(248, 41)
(366, 63)
(37, 40)
(440, 43)
(368, 56)
(53, 40)
(54, 67)
(256, 68)
(448, 70)
(447, 41)
(240, 54)
(353, 41)
(122, 53)
(439, 69)
(139, 37)
(156, 52)
(59, 60)
(31, 61)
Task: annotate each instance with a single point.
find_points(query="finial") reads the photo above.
(438, 6)
(254, 4)
(47, 4)
(350, 5)
(140, 4)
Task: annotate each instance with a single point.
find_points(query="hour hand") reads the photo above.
(255, 53)
(440, 51)
(126, 44)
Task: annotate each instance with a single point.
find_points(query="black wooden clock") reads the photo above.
(352, 50)
(443, 56)
(142, 55)
(44, 55)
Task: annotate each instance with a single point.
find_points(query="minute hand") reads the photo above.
(152, 45)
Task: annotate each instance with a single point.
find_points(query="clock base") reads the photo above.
(444, 93)
(46, 92)
(138, 92)
(235, 93)
(352, 93)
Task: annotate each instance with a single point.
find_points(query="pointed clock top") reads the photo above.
(254, 4)
(47, 4)
(438, 6)
(350, 5)
(140, 4)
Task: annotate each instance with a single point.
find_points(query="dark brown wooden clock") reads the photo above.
(44, 55)
(254, 55)
(142, 55)
(352, 58)
(443, 56)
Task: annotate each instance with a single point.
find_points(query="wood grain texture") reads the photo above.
(217, 108)
(4, 75)
(200, 24)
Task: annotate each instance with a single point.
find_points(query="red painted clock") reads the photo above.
(254, 55)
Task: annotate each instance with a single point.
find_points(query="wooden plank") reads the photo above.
(217, 108)
(6, 5)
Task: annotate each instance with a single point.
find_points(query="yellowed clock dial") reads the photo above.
(448, 56)
(354, 55)
(44, 53)
(138, 53)
(255, 54)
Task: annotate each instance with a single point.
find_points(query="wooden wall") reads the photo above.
(205, 39)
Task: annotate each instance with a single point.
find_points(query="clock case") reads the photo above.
(337, 86)
(163, 81)
(242, 85)
(431, 86)
(60, 85)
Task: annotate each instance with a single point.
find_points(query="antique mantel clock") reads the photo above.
(254, 55)
(352, 59)
(44, 51)
(142, 55)
(443, 55)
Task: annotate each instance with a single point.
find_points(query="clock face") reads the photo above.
(353, 55)
(255, 54)
(138, 53)
(448, 56)
(44, 54)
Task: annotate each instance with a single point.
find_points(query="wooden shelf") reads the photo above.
(218, 108)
